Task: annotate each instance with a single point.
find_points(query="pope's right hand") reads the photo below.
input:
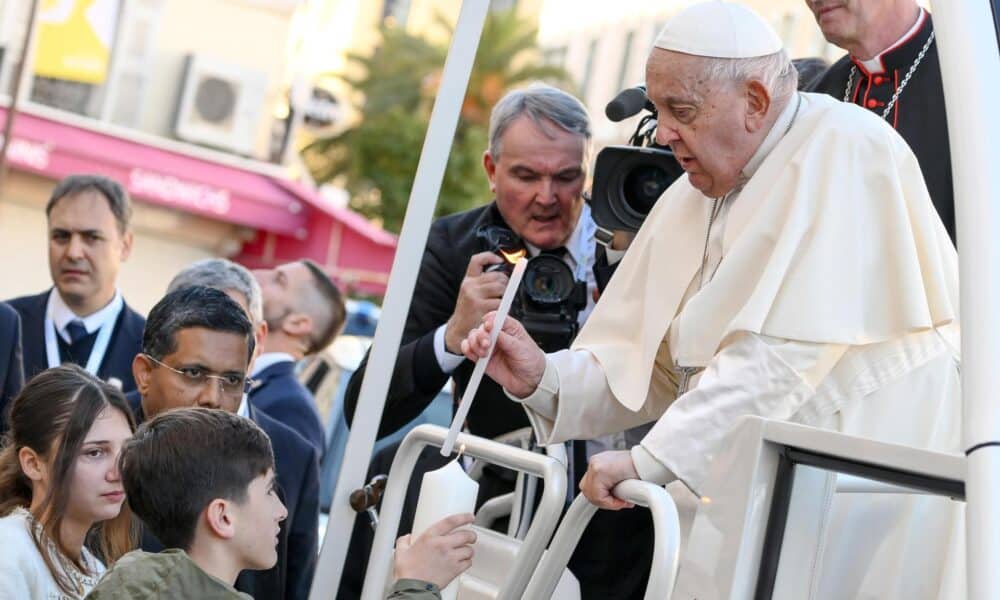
(517, 363)
(479, 293)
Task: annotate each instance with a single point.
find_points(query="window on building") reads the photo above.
(71, 96)
(588, 69)
(398, 10)
(554, 56)
(626, 59)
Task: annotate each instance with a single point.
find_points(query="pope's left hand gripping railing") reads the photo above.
(552, 473)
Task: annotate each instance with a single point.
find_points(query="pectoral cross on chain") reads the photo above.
(686, 373)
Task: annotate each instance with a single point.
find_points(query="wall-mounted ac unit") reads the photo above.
(221, 104)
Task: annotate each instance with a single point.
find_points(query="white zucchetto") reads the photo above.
(719, 29)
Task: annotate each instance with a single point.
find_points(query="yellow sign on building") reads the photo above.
(75, 38)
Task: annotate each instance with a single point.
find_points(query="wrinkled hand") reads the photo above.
(517, 363)
(604, 472)
(479, 294)
(439, 555)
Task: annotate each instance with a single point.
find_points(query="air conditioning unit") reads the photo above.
(221, 104)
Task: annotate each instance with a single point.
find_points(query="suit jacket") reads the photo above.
(918, 114)
(604, 570)
(298, 541)
(125, 343)
(11, 370)
(418, 377)
(278, 393)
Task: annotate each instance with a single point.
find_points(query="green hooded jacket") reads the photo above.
(168, 574)
(172, 574)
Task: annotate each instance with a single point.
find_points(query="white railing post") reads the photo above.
(402, 279)
(970, 69)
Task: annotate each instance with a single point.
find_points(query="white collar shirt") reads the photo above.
(62, 315)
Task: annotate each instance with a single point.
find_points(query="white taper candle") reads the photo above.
(444, 492)
(480, 368)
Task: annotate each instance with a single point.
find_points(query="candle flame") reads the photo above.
(513, 257)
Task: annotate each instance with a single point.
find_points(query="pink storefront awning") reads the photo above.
(288, 215)
(173, 179)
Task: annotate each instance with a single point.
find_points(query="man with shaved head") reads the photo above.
(304, 312)
(799, 272)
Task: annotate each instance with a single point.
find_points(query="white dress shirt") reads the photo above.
(62, 315)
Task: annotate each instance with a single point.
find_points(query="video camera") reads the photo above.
(549, 298)
(628, 180)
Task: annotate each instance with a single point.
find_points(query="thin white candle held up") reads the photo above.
(480, 368)
(444, 492)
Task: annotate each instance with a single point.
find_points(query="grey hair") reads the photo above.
(775, 71)
(223, 275)
(541, 103)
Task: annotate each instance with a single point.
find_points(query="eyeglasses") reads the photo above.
(232, 385)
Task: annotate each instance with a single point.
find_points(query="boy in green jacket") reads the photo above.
(203, 481)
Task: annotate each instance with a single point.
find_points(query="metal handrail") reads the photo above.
(666, 545)
(549, 509)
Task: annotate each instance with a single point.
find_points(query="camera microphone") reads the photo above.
(628, 103)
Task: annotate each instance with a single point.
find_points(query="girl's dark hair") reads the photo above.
(52, 415)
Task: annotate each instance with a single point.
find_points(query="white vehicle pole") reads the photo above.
(402, 279)
(970, 69)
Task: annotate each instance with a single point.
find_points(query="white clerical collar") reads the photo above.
(269, 359)
(579, 245)
(874, 64)
(773, 137)
(244, 409)
(62, 314)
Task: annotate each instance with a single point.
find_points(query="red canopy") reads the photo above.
(293, 221)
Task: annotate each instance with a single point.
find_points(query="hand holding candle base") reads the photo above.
(517, 363)
(447, 495)
(438, 555)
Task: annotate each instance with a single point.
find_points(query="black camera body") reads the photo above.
(628, 180)
(549, 298)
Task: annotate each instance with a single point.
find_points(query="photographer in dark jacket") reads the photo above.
(536, 165)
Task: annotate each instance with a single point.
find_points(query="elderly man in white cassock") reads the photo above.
(798, 272)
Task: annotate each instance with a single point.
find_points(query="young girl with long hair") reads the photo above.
(60, 489)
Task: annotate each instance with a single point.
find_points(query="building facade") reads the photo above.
(604, 46)
(186, 103)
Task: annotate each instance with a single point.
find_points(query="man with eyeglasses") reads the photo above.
(197, 348)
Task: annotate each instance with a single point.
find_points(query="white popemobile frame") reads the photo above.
(967, 38)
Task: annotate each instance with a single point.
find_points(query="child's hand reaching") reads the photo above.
(439, 555)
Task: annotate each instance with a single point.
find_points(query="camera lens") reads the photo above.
(548, 280)
(643, 186)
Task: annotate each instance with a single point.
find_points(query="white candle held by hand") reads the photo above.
(480, 368)
(444, 492)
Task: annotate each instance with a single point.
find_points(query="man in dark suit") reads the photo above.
(84, 319)
(892, 69)
(11, 371)
(304, 312)
(536, 166)
(197, 349)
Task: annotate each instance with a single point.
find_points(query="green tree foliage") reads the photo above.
(376, 159)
